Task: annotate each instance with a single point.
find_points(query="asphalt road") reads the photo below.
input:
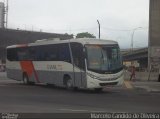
(18, 98)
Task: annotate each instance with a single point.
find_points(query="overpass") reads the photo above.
(140, 55)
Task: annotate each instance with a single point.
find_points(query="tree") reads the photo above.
(85, 35)
(70, 35)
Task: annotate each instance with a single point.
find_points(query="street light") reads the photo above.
(132, 36)
(99, 26)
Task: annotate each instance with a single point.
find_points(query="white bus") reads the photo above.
(75, 63)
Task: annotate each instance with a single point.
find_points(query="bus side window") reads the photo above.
(64, 54)
(40, 53)
(12, 54)
(23, 54)
(78, 55)
(32, 54)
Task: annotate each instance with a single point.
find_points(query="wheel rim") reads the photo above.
(69, 84)
(25, 80)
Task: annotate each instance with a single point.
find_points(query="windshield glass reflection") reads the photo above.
(103, 58)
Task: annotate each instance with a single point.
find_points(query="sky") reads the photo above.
(118, 18)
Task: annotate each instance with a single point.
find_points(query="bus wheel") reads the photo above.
(69, 84)
(98, 89)
(25, 79)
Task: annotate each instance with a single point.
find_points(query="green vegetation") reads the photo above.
(85, 35)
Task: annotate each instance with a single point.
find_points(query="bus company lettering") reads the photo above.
(54, 67)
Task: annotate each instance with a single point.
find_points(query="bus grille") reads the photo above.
(108, 84)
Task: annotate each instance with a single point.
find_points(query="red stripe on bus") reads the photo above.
(28, 67)
(35, 73)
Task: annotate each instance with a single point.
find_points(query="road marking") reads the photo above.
(98, 111)
(74, 110)
(128, 85)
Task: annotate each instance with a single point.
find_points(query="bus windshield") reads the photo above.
(103, 58)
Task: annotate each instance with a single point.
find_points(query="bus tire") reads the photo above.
(69, 84)
(25, 79)
(67, 81)
(98, 89)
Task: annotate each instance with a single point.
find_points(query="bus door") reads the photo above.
(78, 65)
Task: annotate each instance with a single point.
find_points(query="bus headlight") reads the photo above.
(105, 79)
(93, 76)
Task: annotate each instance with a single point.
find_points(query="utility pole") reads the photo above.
(99, 26)
(6, 11)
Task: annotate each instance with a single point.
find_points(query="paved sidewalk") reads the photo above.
(141, 82)
(150, 86)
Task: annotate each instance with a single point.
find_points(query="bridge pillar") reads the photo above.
(154, 33)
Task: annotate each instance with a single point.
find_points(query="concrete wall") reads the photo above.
(11, 37)
(154, 30)
(1, 15)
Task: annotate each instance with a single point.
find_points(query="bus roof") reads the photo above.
(78, 40)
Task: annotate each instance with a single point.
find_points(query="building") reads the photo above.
(10, 37)
(2, 17)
